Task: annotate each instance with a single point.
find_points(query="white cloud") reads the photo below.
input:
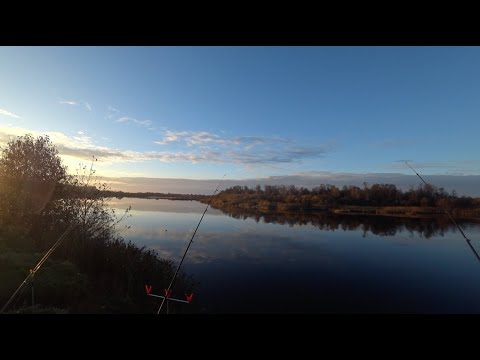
(240, 150)
(127, 119)
(145, 123)
(87, 105)
(112, 112)
(81, 146)
(8, 113)
(203, 137)
(171, 136)
(69, 102)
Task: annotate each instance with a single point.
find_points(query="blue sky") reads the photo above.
(250, 112)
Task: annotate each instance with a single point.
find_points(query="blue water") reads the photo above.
(243, 265)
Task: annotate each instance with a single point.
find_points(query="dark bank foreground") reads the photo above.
(93, 269)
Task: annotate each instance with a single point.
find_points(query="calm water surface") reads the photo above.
(320, 265)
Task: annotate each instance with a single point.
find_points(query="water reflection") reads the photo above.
(313, 262)
(377, 225)
(163, 205)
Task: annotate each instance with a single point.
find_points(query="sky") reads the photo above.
(253, 113)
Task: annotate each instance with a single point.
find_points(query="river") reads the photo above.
(313, 264)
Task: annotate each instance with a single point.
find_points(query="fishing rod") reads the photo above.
(50, 251)
(38, 266)
(168, 290)
(449, 215)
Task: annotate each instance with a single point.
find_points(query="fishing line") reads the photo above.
(19, 296)
(449, 215)
(49, 252)
(167, 291)
(39, 265)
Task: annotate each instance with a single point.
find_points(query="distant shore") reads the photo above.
(391, 211)
(405, 211)
(374, 200)
(256, 202)
(153, 196)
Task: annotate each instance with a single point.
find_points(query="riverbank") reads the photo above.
(229, 202)
(152, 195)
(110, 279)
(406, 211)
(376, 200)
(265, 207)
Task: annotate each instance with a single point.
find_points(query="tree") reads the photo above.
(41, 199)
(84, 201)
(26, 158)
(117, 270)
(30, 171)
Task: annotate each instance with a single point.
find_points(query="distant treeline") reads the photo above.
(328, 197)
(70, 191)
(152, 195)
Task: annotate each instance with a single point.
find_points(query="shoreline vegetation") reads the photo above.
(153, 195)
(375, 200)
(94, 270)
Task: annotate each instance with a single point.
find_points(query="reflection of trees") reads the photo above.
(378, 225)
